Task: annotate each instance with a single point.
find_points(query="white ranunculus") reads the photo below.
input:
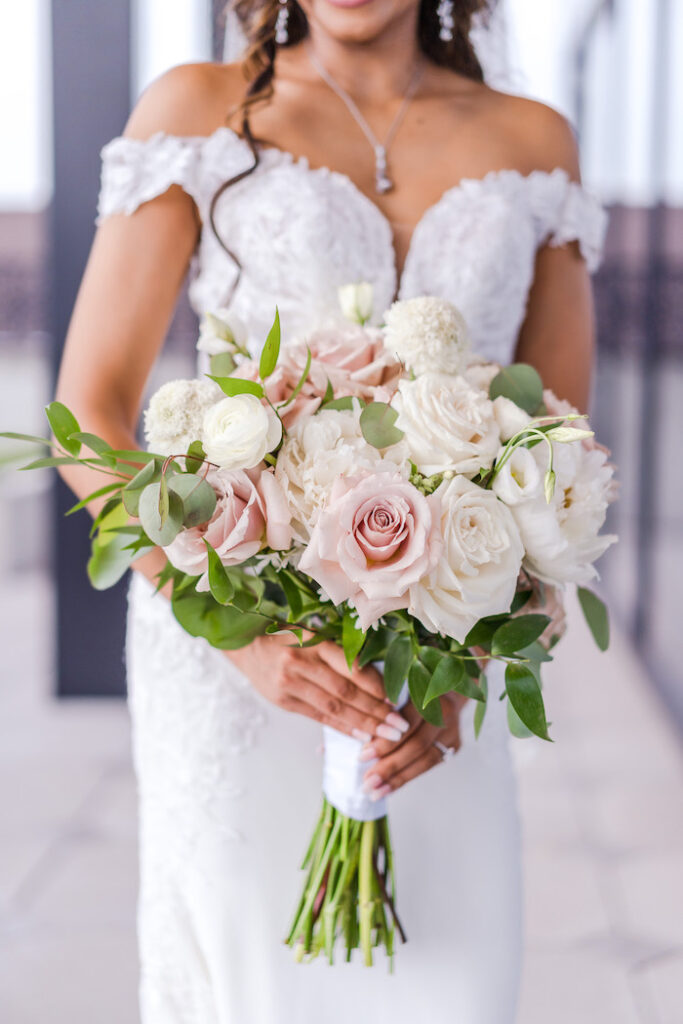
(562, 538)
(520, 479)
(238, 431)
(448, 425)
(317, 451)
(356, 301)
(174, 417)
(509, 417)
(427, 335)
(220, 332)
(477, 573)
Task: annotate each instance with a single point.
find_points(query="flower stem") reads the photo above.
(365, 879)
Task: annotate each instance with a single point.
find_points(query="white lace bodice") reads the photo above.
(300, 232)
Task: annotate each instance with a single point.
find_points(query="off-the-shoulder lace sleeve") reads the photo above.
(566, 212)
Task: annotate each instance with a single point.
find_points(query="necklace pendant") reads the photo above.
(383, 182)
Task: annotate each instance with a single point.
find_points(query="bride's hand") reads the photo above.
(317, 682)
(416, 753)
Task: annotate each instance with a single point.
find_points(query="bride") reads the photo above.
(364, 146)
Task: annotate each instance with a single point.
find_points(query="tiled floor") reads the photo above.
(602, 811)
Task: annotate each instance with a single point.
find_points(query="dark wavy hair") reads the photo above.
(257, 19)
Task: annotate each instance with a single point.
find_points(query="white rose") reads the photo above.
(221, 331)
(427, 334)
(356, 301)
(477, 573)
(173, 419)
(448, 425)
(520, 479)
(562, 538)
(480, 374)
(238, 431)
(509, 417)
(317, 451)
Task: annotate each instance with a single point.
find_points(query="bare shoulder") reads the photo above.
(539, 137)
(190, 99)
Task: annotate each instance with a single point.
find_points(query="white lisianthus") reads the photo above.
(174, 417)
(562, 537)
(220, 332)
(448, 425)
(477, 573)
(428, 335)
(520, 479)
(509, 417)
(316, 452)
(356, 301)
(238, 431)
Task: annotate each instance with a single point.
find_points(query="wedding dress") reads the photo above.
(229, 785)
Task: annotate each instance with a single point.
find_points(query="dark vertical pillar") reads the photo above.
(91, 76)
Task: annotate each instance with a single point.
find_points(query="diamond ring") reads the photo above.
(446, 752)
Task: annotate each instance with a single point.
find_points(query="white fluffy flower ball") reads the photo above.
(427, 334)
(447, 424)
(174, 417)
(238, 431)
(477, 573)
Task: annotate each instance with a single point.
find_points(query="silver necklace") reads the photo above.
(383, 181)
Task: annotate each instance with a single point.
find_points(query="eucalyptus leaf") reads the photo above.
(220, 584)
(271, 349)
(352, 637)
(524, 693)
(197, 496)
(232, 386)
(164, 500)
(418, 684)
(63, 424)
(134, 488)
(518, 633)
(520, 383)
(399, 658)
(148, 511)
(195, 458)
(110, 561)
(377, 423)
(340, 404)
(596, 615)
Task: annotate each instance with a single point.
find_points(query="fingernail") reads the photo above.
(397, 721)
(387, 732)
(371, 783)
(364, 737)
(379, 794)
(367, 754)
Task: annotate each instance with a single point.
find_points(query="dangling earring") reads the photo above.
(446, 23)
(281, 32)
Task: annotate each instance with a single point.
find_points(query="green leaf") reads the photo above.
(135, 456)
(95, 444)
(340, 404)
(134, 488)
(517, 633)
(195, 457)
(167, 574)
(64, 424)
(480, 709)
(271, 349)
(109, 561)
(377, 423)
(11, 436)
(374, 649)
(301, 381)
(521, 598)
(516, 725)
(197, 496)
(238, 386)
(220, 584)
(102, 516)
(223, 626)
(222, 364)
(92, 497)
(399, 658)
(450, 677)
(352, 637)
(521, 384)
(52, 460)
(148, 511)
(526, 698)
(418, 683)
(535, 652)
(164, 500)
(329, 392)
(480, 635)
(596, 615)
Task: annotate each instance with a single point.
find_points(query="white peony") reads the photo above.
(221, 331)
(477, 573)
(562, 538)
(238, 431)
(173, 419)
(427, 334)
(448, 425)
(356, 301)
(316, 452)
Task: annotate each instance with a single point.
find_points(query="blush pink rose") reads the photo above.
(377, 536)
(251, 510)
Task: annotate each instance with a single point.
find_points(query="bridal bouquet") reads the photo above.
(380, 488)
